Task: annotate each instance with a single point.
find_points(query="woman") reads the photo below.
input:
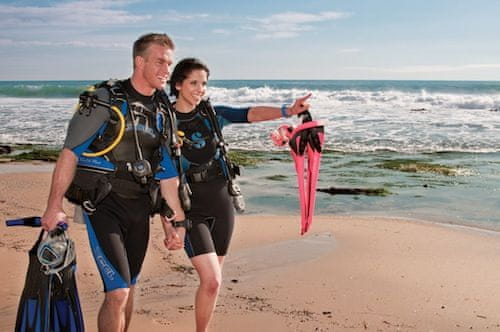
(212, 212)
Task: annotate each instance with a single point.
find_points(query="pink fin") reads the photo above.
(303, 194)
(306, 141)
(314, 160)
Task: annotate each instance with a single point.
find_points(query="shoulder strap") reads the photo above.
(207, 108)
(170, 129)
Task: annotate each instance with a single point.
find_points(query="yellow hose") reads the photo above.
(117, 139)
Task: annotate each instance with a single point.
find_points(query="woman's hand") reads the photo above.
(172, 239)
(299, 106)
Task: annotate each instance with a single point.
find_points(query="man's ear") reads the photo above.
(139, 61)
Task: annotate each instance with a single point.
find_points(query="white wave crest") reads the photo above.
(355, 120)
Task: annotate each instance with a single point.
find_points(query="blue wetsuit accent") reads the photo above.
(98, 163)
(229, 115)
(79, 149)
(110, 276)
(167, 168)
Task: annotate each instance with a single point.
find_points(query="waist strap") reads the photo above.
(204, 173)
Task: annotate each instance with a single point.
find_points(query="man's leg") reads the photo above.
(106, 236)
(112, 315)
(129, 309)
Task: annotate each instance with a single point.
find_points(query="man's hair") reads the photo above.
(182, 70)
(142, 44)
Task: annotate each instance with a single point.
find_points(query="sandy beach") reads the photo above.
(349, 273)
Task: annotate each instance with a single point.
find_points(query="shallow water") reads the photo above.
(470, 198)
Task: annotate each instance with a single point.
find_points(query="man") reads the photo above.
(116, 193)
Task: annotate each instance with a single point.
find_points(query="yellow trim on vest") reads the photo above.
(116, 140)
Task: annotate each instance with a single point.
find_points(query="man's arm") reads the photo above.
(62, 176)
(170, 192)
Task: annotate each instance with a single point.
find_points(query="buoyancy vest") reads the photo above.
(149, 133)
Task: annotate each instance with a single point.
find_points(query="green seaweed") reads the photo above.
(245, 158)
(277, 177)
(37, 154)
(416, 166)
(355, 191)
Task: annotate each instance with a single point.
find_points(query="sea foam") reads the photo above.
(357, 120)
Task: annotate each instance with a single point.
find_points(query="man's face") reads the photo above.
(156, 64)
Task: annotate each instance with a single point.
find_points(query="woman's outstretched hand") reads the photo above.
(300, 105)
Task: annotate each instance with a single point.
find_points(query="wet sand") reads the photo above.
(347, 274)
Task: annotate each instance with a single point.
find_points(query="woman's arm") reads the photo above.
(263, 113)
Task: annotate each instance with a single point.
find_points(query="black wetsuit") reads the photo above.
(212, 212)
(119, 228)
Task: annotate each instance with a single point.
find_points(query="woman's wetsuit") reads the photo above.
(212, 212)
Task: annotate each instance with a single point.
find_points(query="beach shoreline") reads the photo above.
(348, 273)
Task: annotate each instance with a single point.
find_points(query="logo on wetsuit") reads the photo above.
(197, 140)
(106, 269)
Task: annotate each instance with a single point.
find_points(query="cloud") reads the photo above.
(174, 16)
(430, 68)
(301, 18)
(74, 43)
(68, 14)
(290, 24)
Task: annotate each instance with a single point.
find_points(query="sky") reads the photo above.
(257, 39)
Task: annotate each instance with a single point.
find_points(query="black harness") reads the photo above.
(222, 166)
(130, 177)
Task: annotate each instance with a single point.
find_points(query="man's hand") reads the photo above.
(51, 218)
(172, 239)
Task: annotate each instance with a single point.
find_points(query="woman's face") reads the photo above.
(193, 88)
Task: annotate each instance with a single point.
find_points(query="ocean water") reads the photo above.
(451, 123)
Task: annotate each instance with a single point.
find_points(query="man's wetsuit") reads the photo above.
(119, 228)
(212, 212)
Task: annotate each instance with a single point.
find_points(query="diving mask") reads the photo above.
(56, 251)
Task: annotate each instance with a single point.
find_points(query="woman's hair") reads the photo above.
(182, 70)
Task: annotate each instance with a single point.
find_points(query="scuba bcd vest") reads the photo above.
(129, 166)
(207, 152)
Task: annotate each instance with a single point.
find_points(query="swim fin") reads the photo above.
(28, 221)
(49, 301)
(305, 141)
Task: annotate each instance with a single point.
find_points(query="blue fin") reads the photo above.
(49, 303)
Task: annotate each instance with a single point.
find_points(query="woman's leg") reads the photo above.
(209, 270)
